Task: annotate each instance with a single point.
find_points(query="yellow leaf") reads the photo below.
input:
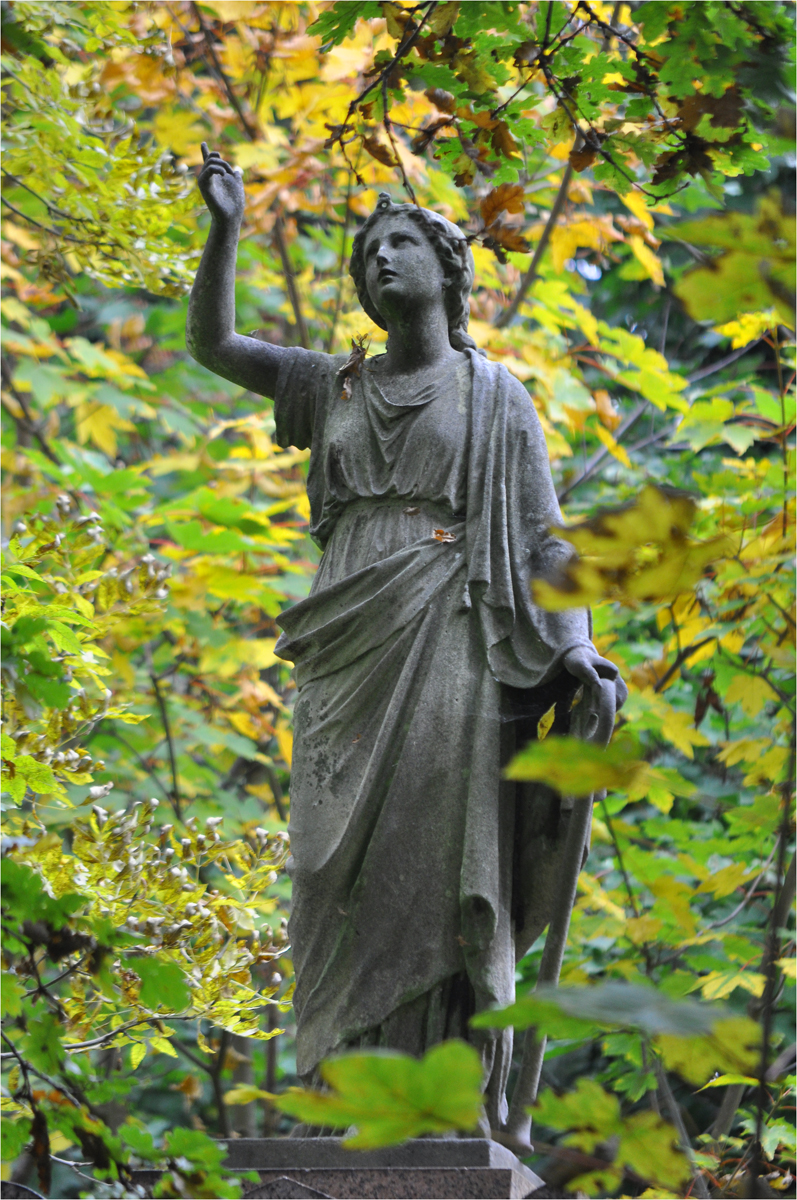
(59, 1142)
(724, 882)
(643, 929)
(649, 261)
(137, 1052)
(545, 722)
(302, 506)
(190, 1087)
(718, 984)
(789, 967)
(284, 741)
(615, 449)
(20, 237)
(245, 1093)
(230, 10)
(566, 239)
(732, 1045)
(177, 129)
(597, 898)
(678, 728)
(99, 423)
(608, 414)
(674, 897)
(636, 202)
(122, 665)
(748, 327)
(751, 691)
(162, 1045)
(244, 724)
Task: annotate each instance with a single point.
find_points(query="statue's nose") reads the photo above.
(382, 257)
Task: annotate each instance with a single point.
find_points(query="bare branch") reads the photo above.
(531, 274)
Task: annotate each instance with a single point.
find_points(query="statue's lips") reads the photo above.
(385, 275)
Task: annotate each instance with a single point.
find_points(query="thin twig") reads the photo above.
(680, 659)
(290, 280)
(784, 893)
(747, 897)
(150, 770)
(597, 458)
(175, 796)
(215, 1078)
(341, 266)
(231, 96)
(29, 1069)
(531, 274)
(389, 131)
(32, 425)
(619, 856)
(675, 1116)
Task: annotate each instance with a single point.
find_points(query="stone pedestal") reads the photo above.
(426, 1168)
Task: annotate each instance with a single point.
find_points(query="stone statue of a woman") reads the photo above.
(421, 660)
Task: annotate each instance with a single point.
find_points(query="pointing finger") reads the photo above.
(204, 149)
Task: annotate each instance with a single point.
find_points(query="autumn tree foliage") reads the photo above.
(621, 173)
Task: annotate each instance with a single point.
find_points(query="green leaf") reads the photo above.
(163, 984)
(578, 768)
(581, 1012)
(196, 1146)
(392, 1097)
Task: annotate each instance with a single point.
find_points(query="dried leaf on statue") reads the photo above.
(545, 722)
(353, 364)
(442, 535)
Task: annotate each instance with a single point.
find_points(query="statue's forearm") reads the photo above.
(210, 328)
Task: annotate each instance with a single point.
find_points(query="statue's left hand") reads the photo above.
(586, 664)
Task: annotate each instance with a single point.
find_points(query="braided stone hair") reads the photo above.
(453, 252)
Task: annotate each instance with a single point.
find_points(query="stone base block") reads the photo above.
(423, 1169)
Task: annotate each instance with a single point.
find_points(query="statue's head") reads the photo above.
(452, 261)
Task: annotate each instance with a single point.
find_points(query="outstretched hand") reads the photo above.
(222, 188)
(598, 675)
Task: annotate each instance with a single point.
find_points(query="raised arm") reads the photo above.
(210, 330)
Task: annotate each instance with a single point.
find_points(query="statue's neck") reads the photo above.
(417, 340)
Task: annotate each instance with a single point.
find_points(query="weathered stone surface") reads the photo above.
(425, 1167)
(422, 661)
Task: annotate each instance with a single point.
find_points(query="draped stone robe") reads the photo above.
(419, 654)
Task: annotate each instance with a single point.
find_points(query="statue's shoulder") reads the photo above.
(506, 385)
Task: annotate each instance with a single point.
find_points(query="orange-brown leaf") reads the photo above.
(511, 239)
(583, 158)
(502, 140)
(507, 197)
(379, 151)
(441, 99)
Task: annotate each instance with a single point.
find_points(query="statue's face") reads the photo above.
(401, 266)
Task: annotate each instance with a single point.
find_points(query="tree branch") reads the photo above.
(149, 770)
(680, 658)
(597, 458)
(341, 266)
(769, 969)
(175, 795)
(531, 274)
(700, 1188)
(32, 426)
